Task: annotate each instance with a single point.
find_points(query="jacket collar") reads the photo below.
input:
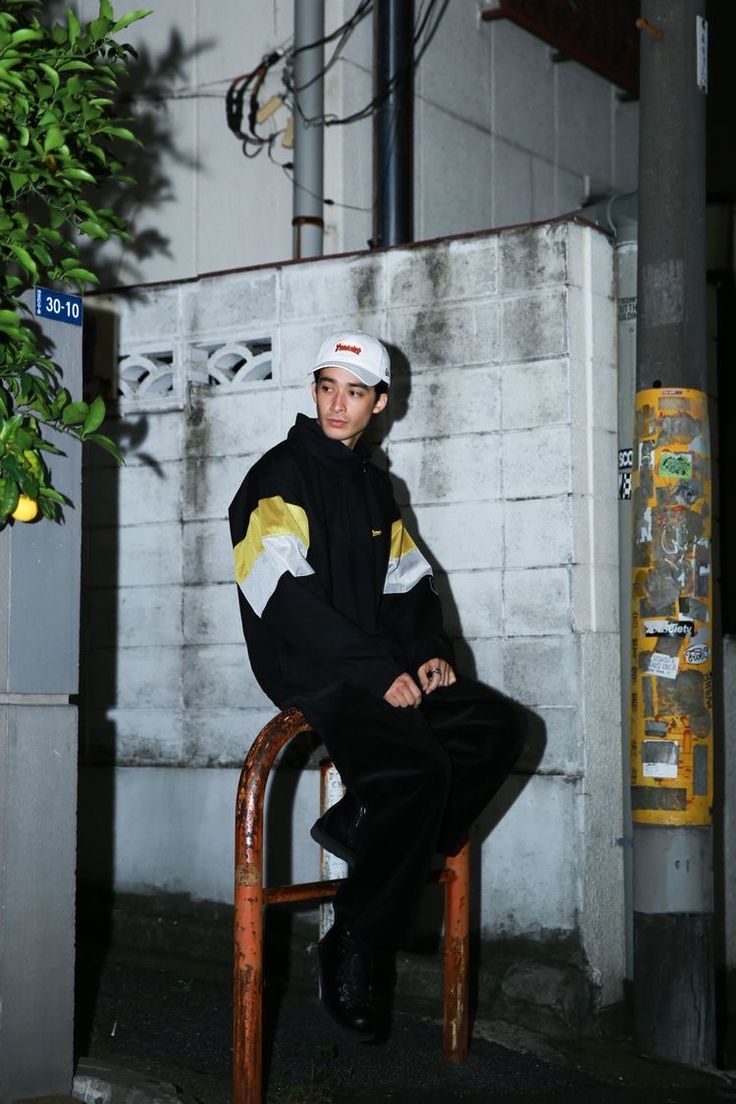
(307, 434)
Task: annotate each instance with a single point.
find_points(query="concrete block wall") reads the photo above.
(501, 439)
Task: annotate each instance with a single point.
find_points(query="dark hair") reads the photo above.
(380, 388)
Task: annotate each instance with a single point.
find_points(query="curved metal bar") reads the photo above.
(248, 903)
(251, 896)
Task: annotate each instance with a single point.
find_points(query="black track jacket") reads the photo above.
(332, 588)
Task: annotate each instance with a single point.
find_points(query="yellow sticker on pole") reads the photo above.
(671, 728)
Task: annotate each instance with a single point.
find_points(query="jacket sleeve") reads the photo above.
(410, 608)
(271, 541)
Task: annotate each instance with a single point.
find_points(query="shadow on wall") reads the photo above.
(379, 429)
(146, 92)
(152, 83)
(536, 739)
(97, 693)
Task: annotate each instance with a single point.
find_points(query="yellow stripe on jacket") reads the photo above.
(406, 565)
(276, 541)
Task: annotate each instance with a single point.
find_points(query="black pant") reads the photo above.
(423, 775)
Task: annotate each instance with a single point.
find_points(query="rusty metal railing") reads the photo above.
(251, 896)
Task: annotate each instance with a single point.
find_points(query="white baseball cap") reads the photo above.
(360, 353)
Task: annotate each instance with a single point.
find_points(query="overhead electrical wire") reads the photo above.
(362, 10)
(438, 6)
(240, 86)
(249, 84)
(347, 29)
(431, 33)
(235, 103)
(288, 169)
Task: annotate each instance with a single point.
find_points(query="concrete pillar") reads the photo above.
(39, 635)
(672, 636)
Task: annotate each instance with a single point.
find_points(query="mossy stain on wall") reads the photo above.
(365, 287)
(430, 336)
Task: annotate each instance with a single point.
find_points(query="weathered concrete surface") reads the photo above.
(501, 440)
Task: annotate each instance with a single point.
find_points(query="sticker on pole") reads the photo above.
(663, 665)
(59, 306)
(672, 732)
(675, 465)
(625, 465)
(660, 758)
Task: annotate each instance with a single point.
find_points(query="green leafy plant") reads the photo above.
(59, 140)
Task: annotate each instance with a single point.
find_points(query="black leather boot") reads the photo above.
(348, 978)
(338, 829)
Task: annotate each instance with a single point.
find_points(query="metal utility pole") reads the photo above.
(308, 221)
(672, 604)
(393, 175)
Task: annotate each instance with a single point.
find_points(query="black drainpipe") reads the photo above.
(393, 160)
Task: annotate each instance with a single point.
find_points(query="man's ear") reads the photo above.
(380, 403)
(313, 389)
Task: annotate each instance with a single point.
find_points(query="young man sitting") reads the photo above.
(341, 618)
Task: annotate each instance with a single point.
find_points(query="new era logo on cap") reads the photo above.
(360, 353)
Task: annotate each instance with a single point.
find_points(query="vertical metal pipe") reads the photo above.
(625, 268)
(672, 609)
(248, 904)
(456, 1013)
(393, 176)
(308, 221)
(248, 932)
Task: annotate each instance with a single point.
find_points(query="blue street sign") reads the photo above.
(59, 306)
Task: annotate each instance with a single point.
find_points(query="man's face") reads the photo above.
(344, 405)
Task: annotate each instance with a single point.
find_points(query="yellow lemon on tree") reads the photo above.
(26, 510)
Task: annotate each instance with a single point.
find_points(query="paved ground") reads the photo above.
(174, 1026)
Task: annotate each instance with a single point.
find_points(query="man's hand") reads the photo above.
(403, 692)
(434, 673)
